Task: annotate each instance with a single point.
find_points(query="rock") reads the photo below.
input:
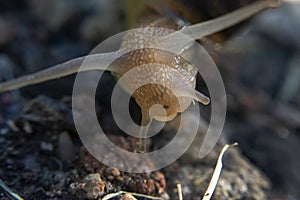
(239, 178)
(127, 196)
(46, 146)
(153, 183)
(277, 156)
(47, 112)
(91, 187)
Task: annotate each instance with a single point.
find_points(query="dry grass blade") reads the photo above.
(113, 195)
(179, 191)
(9, 192)
(291, 1)
(216, 175)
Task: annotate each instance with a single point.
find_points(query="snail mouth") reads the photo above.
(161, 113)
(165, 118)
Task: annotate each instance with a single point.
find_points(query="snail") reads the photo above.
(150, 94)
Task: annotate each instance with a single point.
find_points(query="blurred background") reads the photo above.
(259, 61)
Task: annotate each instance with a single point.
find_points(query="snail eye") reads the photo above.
(166, 107)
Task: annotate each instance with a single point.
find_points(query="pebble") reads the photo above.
(127, 196)
(46, 146)
(91, 187)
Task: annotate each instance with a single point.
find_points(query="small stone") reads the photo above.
(127, 196)
(12, 126)
(27, 127)
(4, 131)
(45, 146)
(91, 187)
(160, 181)
(115, 172)
(165, 196)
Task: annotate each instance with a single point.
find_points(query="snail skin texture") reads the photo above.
(150, 94)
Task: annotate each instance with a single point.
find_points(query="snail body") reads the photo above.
(170, 69)
(173, 71)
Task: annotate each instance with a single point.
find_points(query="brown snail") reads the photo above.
(150, 94)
